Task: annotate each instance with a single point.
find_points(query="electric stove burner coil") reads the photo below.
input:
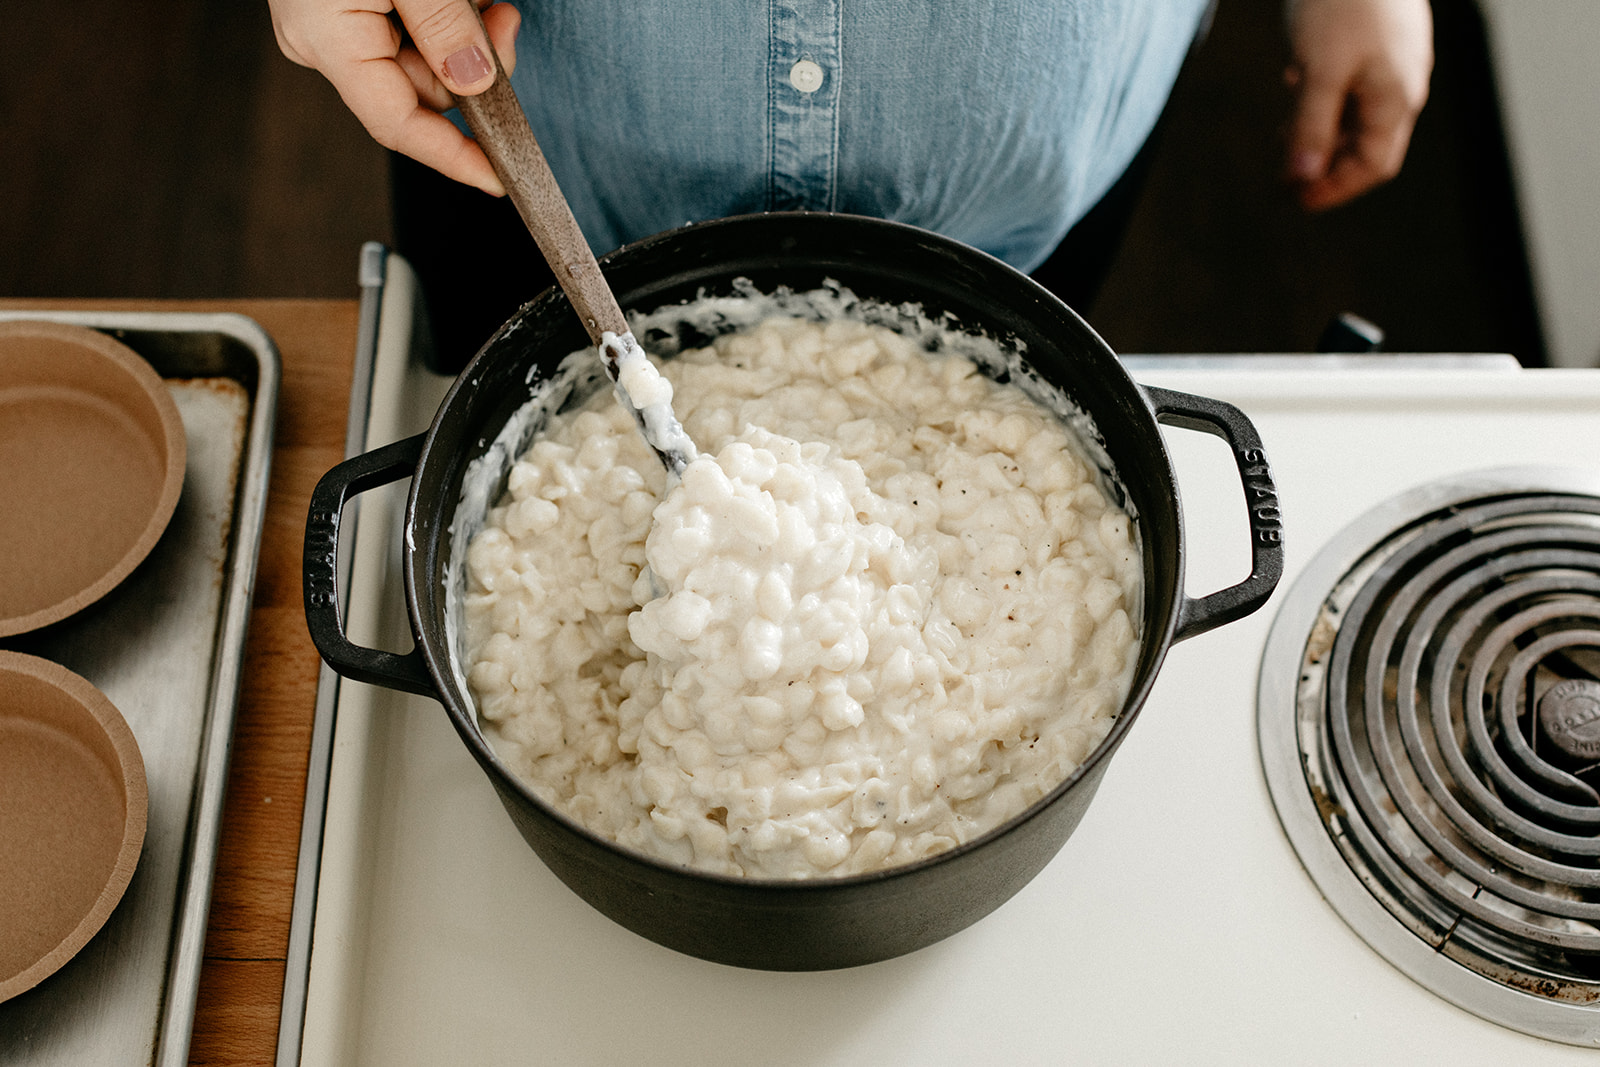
(1446, 724)
(1432, 691)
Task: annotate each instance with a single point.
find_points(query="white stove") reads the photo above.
(1179, 923)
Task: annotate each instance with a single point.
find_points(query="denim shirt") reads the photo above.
(996, 123)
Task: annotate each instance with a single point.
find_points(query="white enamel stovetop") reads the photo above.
(1176, 926)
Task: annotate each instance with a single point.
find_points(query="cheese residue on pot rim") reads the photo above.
(898, 610)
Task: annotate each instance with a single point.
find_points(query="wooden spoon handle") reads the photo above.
(497, 120)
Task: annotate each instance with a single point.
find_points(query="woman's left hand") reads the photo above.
(1360, 76)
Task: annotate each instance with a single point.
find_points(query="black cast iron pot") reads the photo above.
(826, 922)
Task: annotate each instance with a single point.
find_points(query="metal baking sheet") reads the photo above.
(166, 646)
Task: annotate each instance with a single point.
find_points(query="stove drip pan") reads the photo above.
(1429, 718)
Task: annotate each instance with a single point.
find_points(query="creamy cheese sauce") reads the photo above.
(887, 608)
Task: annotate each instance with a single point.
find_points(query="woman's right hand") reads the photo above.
(397, 64)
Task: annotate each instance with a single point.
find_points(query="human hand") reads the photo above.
(398, 63)
(1360, 75)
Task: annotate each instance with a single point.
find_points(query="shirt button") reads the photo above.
(806, 76)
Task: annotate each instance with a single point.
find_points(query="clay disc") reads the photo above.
(92, 456)
(73, 808)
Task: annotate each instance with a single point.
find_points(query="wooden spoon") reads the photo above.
(497, 120)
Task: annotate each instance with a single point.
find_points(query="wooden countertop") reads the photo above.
(247, 937)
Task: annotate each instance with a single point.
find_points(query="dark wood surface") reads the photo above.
(165, 148)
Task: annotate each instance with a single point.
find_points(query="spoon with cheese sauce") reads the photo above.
(497, 120)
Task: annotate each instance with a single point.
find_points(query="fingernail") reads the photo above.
(467, 66)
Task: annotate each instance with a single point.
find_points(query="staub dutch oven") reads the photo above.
(825, 922)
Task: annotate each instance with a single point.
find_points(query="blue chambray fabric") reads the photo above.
(998, 123)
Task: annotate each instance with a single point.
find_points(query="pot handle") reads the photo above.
(1190, 412)
(381, 466)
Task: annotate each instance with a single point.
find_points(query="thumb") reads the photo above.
(451, 38)
(1314, 134)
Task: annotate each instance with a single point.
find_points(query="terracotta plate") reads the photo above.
(91, 465)
(73, 805)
